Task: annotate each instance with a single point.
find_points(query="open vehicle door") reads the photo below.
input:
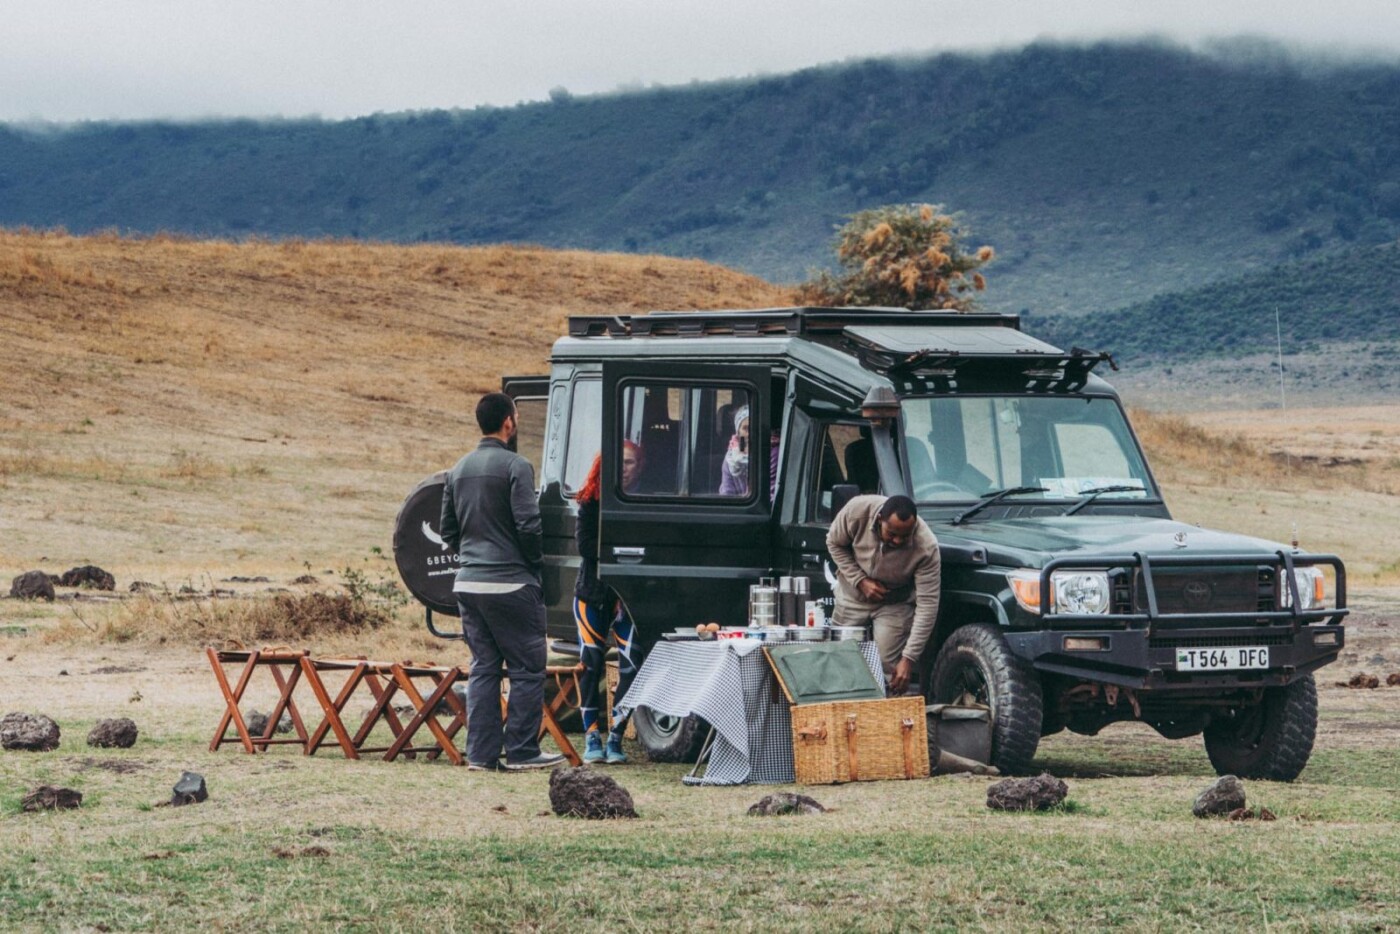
(686, 504)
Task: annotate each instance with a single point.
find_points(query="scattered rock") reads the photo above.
(1393, 679)
(190, 789)
(1361, 680)
(90, 576)
(785, 803)
(1027, 794)
(588, 793)
(49, 798)
(142, 587)
(1266, 814)
(117, 732)
(163, 854)
(117, 670)
(247, 580)
(63, 672)
(501, 809)
(284, 723)
(32, 732)
(306, 579)
(284, 852)
(1239, 814)
(256, 721)
(1225, 794)
(32, 585)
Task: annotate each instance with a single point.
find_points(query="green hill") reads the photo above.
(1103, 175)
(1348, 297)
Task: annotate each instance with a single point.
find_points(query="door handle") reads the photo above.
(632, 552)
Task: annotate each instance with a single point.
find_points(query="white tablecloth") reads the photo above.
(728, 684)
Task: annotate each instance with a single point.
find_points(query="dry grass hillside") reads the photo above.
(190, 410)
(180, 407)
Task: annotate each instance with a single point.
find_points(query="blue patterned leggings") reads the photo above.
(593, 623)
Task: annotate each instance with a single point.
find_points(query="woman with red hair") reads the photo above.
(597, 610)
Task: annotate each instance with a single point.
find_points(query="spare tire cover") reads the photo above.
(428, 567)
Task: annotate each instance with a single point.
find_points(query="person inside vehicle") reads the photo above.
(597, 610)
(734, 471)
(633, 463)
(888, 577)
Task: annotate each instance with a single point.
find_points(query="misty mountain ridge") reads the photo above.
(1103, 174)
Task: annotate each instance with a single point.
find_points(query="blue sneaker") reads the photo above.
(593, 747)
(615, 755)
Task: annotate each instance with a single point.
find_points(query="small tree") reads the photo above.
(905, 256)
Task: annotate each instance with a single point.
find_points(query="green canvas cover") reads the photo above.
(821, 672)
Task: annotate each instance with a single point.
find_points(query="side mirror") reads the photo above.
(841, 494)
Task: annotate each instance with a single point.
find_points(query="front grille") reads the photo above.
(1216, 642)
(1200, 590)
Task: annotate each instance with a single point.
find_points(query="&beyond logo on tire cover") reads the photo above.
(428, 567)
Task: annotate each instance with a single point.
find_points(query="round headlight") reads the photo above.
(1080, 592)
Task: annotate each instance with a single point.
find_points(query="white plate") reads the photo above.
(1235, 658)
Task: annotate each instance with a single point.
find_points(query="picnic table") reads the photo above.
(729, 684)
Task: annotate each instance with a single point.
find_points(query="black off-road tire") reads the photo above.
(977, 659)
(669, 739)
(1272, 740)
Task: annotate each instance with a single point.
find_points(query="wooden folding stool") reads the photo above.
(378, 677)
(274, 659)
(425, 710)
(566, 677)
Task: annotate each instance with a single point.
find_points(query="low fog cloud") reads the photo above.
(70, 60)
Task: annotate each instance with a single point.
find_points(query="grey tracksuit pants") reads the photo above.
(506, 635)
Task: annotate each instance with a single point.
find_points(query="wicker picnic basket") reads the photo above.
(860, 741)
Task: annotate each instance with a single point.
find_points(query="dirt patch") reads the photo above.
(119, 766)
(117, 670)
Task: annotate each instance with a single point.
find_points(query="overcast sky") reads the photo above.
(65, 60)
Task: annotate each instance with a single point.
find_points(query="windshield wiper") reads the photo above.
(992, 498)
(1090, 495)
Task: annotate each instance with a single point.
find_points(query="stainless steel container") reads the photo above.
(774, 633)
(763, 604)
(806, 634)
(847, 633)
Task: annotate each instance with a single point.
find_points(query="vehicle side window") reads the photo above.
(529, 439)
(688, 441)
(845, 454)
(585, 432)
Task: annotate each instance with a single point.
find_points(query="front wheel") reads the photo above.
(976, 660)
(1271, 740)
(669, 739)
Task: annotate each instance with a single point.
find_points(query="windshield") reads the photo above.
(963, 447)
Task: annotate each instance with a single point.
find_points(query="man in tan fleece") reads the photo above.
(888, 576)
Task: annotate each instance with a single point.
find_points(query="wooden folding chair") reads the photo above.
(378, 677)
(566, 677)
(426, 710)
(274, 659)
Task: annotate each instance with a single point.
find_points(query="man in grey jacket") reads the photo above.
(491, 518)
(888, 576)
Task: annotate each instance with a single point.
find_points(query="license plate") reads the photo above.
(1231, 659)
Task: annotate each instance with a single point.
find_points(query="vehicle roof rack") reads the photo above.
(805, 321)
(1032, 365)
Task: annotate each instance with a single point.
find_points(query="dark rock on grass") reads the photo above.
(256, 721)
(1393, 679)
(32, 585)
(115, 733)
(31, 732)
(190, 789)
(785, 803)
(306, 579)
(1225, 794)
(1361, 680)
(90, 576)
(239, 579)
(1041, 793)
(142, 587)
(49, 798)
(588, 793)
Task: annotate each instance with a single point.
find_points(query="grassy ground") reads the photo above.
(286, 841)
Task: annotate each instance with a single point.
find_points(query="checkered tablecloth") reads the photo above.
(729, 685)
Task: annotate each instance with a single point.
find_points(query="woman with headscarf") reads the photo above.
(597, 610)
(734, 472)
